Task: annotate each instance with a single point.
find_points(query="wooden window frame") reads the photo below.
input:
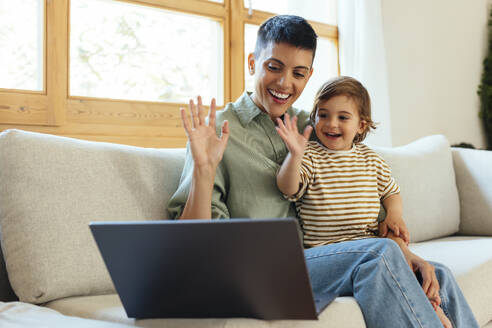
(140, 123)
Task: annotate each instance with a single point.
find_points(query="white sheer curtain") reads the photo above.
(363, 56)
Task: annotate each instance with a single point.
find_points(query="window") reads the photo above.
(323, 11)
(22, 44)
(134, 52)
(119, 71)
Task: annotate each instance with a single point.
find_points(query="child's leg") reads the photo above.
(376, 273)
(442, 316)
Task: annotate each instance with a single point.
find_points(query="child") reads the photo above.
(337, 182)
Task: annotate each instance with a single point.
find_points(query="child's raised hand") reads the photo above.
(295, 142)
(396, 225)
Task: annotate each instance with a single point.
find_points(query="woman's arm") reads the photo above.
(207, 150)
(288, 177)
(430, 284)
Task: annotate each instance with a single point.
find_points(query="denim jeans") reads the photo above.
(376, 273)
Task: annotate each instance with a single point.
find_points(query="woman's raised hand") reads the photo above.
(295, 142)
(206, 147)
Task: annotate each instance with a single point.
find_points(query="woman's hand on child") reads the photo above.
(206, 147)
(397, 225)
(295, 142)
(430, 284)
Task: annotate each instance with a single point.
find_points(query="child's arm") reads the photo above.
(288, 177)
(394, 220)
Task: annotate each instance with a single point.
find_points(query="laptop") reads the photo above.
(249, 268)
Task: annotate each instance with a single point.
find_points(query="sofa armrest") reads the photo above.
(474, 180)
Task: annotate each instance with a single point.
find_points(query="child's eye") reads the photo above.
(273, 68)
(343, 118)
(322, 115)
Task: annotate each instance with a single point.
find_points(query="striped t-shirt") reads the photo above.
(340, 193)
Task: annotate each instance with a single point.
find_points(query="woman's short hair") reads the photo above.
(290, 29)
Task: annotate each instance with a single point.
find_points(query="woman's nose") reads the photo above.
(284, 80)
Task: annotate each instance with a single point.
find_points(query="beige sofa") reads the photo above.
(52, 187)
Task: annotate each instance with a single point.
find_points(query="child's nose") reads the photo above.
(332, 123)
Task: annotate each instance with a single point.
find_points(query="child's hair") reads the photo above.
(353, 89)
(289, 29)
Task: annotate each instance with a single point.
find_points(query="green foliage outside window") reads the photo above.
(485, 89)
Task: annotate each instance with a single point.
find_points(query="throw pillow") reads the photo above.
(52, 187)
(424, 171)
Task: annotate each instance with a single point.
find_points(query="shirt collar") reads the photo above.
(351, 150)
(246, 109)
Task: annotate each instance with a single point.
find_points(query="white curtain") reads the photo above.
(363, 56)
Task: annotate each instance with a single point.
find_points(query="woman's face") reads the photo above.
(280, 74)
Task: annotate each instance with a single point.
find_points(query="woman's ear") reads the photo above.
(251, 64)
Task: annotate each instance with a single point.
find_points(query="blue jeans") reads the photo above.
(376, 273)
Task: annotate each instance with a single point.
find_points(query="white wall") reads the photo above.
(435, 50)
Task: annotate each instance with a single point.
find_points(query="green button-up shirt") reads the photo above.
(245, 182)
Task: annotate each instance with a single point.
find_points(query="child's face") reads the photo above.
(337, 123)
(280, 73)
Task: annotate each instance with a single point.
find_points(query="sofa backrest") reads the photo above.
(474, 179)
(424, 171)
(52, 187)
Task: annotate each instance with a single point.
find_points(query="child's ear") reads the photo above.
(362, 126)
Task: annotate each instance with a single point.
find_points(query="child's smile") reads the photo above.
(333, 135)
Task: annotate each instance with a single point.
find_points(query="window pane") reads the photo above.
(325, 66)
(250, 32)
(324, 11)
(125, 51)
(21, 44)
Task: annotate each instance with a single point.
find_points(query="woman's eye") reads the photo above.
(273, 68)
(299, 75)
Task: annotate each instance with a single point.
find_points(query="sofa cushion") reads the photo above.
(109, 308)
(342, 312)
(473, 170)
(424, 171)
(22, 315)
(472, 274)
(470, 260)
(52, 187)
